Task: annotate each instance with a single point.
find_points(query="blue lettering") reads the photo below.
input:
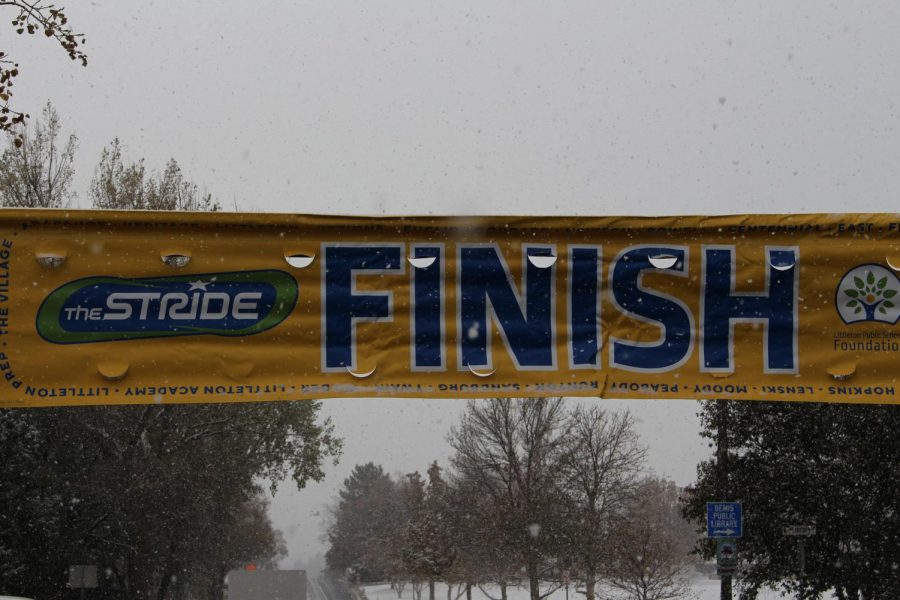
(668, 313)
(428, 313)
(775, 308)
(584, 312)
(344, 306)
(526, 324)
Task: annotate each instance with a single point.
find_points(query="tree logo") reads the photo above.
(869, 293)
(102, 309)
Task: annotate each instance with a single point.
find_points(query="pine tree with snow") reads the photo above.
(832, 466)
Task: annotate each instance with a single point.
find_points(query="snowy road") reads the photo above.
(706, 589)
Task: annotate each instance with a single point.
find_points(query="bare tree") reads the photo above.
(128, 186)
(485, 550)
(36, 168)
(653, 546)
(601, 466)
(510, 450)
(417, 587)
(33, 17)
(398, 585)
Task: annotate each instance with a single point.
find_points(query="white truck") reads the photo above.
(266, 585)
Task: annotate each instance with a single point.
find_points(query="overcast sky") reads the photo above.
(487, 107)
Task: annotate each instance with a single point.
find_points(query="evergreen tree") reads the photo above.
(428, 541)
(367, 516)
(834, 466)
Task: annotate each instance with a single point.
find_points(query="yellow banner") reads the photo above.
(135, 307)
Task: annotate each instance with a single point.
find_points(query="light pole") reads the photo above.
(722, 477)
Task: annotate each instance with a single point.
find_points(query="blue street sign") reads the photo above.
(724, 520)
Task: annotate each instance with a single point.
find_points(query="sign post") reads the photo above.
(82, 577)
(801, 532)
(725, 523)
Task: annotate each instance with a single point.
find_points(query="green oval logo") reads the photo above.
(103, 309)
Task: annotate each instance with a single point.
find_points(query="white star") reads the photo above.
(198, 285)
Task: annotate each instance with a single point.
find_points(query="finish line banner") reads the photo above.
(139, 307)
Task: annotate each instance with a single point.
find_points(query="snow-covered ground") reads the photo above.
(703, 589)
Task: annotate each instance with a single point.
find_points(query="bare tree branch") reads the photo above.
(32, 18)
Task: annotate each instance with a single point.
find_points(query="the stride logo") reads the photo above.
(868, 293)
(99, 309)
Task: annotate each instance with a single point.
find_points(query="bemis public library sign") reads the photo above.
(138, 307)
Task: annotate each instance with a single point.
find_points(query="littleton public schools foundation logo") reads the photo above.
(869, 293)
(100, 309)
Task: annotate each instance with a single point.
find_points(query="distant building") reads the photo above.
(266, 585)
